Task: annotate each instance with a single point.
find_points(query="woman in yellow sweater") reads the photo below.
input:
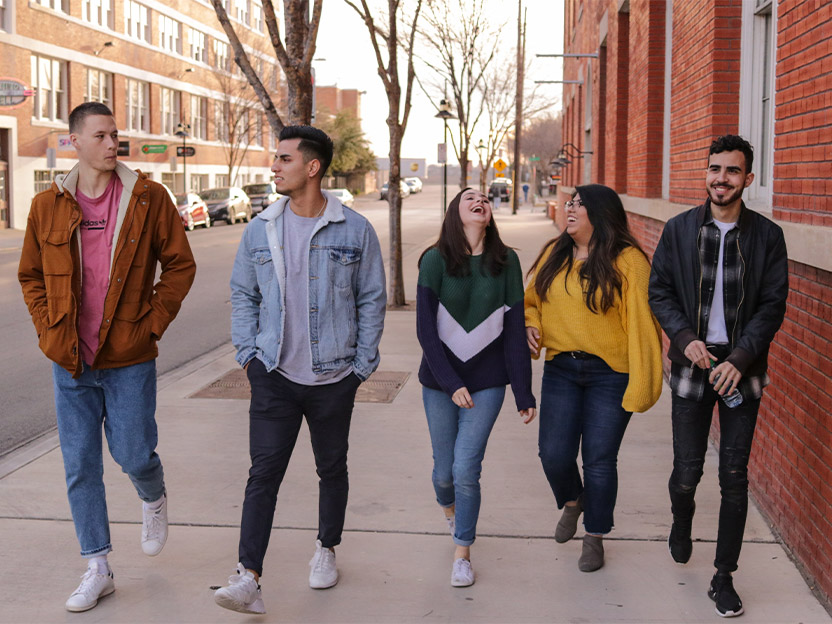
(587, 305)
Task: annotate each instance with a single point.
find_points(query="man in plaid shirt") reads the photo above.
(718, 288)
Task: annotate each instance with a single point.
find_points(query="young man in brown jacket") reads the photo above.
(87, 270)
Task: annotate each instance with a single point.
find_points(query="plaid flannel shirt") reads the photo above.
(690, 382)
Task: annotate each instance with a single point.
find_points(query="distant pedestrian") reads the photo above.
(587, 305)
(718, 287)
(93, 241)
(469, 316)
(525, 193)
(307, 312)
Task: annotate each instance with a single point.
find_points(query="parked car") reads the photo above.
(192, 210)
(262, 195)
(415, 184)
(227, 202)
(344, 196)
(404, 189)
(501, 187)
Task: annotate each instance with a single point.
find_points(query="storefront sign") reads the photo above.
(154, 149)
(13, 92)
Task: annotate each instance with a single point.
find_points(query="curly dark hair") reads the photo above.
(733, 143)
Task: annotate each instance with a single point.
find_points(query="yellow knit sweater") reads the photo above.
(627, 336)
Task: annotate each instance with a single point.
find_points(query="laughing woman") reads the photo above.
(469, 316)
(587, 305)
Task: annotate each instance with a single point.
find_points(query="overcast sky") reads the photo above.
(350, 63)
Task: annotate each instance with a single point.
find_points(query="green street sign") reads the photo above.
(533, 158)
(154, 149)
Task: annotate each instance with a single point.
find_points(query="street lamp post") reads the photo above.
(445, 114)
(182, 130)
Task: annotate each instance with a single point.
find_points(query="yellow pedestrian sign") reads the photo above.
(500, 164)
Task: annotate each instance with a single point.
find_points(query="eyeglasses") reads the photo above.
(574, 203)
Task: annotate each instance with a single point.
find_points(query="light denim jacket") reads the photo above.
(347, 293)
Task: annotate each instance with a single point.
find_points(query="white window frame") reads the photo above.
(757, 50)
(168, 109)
(199, 117)
(258, 20)
(221, 54)
(99, 87)
(137, 21)
(220, 180)
(198, 51)
(53, 95)
(170, 34)
(242, 11)
(61, 6)
(221, 129)
(98, 12)
(138, 113)
(5, 14)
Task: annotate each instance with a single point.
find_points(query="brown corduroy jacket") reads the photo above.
(136, 311)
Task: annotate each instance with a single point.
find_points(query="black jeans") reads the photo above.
(691, 424)
(277, 409)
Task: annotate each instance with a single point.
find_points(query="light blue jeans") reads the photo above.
(124, 401)
(458, 436)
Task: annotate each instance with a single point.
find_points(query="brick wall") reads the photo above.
(646, 99)
(617, 104)
(803, 113)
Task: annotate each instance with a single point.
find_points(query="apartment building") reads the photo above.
(655, 81)
(163, 68)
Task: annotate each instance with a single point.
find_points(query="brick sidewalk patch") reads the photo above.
(381, 387)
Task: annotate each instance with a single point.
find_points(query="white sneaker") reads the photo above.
(93, 586)
(463, 574)
(323, 574)
(154, 527)
(242, 594)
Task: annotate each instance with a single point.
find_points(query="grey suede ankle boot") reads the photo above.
(568, 523)
(592, 554)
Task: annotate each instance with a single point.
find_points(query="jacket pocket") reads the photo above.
(343, 264)
(57, 265)
(130, 337)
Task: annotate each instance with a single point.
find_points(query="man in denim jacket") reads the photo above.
(308, 301)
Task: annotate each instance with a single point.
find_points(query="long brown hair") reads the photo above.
(454, 247)
(600, 281)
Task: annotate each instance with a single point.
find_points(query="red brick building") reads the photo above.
(660, 81)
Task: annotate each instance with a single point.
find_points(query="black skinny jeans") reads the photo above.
(277, 410)
(691, 424)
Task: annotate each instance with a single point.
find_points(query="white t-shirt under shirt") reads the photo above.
(717, 332)
(296, 356)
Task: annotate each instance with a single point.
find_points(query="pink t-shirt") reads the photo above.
(98, 224)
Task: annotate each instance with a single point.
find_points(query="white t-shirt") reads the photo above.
(717, 332)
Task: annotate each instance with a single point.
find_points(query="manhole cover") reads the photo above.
(381, 387)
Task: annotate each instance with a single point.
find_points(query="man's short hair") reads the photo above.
(733, 143)
(82, 111)
(314, 144)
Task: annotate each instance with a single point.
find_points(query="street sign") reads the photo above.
(534, 158)
(13, 93)
(154, 149)
(64, 143)
(50, 158)
(442, 153)
(499, 174)
(500, 165)
(185, 151)
(123, 148)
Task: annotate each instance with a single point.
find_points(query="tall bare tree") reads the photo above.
(235, 119)
(461, 44)
(385, 39)
(295, 57)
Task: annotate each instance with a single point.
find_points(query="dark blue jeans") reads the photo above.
(275, 415)
(580, 407)
(691, 424)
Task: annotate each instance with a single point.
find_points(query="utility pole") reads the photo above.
(518, 103)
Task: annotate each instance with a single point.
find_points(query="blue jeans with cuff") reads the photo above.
(123, 400)
(580, 408)
(459, 436)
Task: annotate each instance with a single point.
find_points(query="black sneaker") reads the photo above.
(721, 591)
(679, 541)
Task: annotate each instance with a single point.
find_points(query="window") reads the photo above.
(56, 5)
(199, 182)
(197, 40)
(49, 84)
(220, 54)
(99, 87)
(44, 177)
(241, 10)
(99, 12)
(258, 129)
(169, 34)
(3, 14)
(138, 94)
(257, 22)
(169, 110)
(199, 117)
(221, 179)
(221, 122)
(137, 21)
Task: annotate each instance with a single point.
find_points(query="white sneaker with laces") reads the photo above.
(462, 574)
(93, 586)
(323, 573)
(154, 527)
(242, 593)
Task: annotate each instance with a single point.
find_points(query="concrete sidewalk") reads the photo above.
(396, 555)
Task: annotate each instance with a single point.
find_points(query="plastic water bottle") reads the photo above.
(731, 399)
